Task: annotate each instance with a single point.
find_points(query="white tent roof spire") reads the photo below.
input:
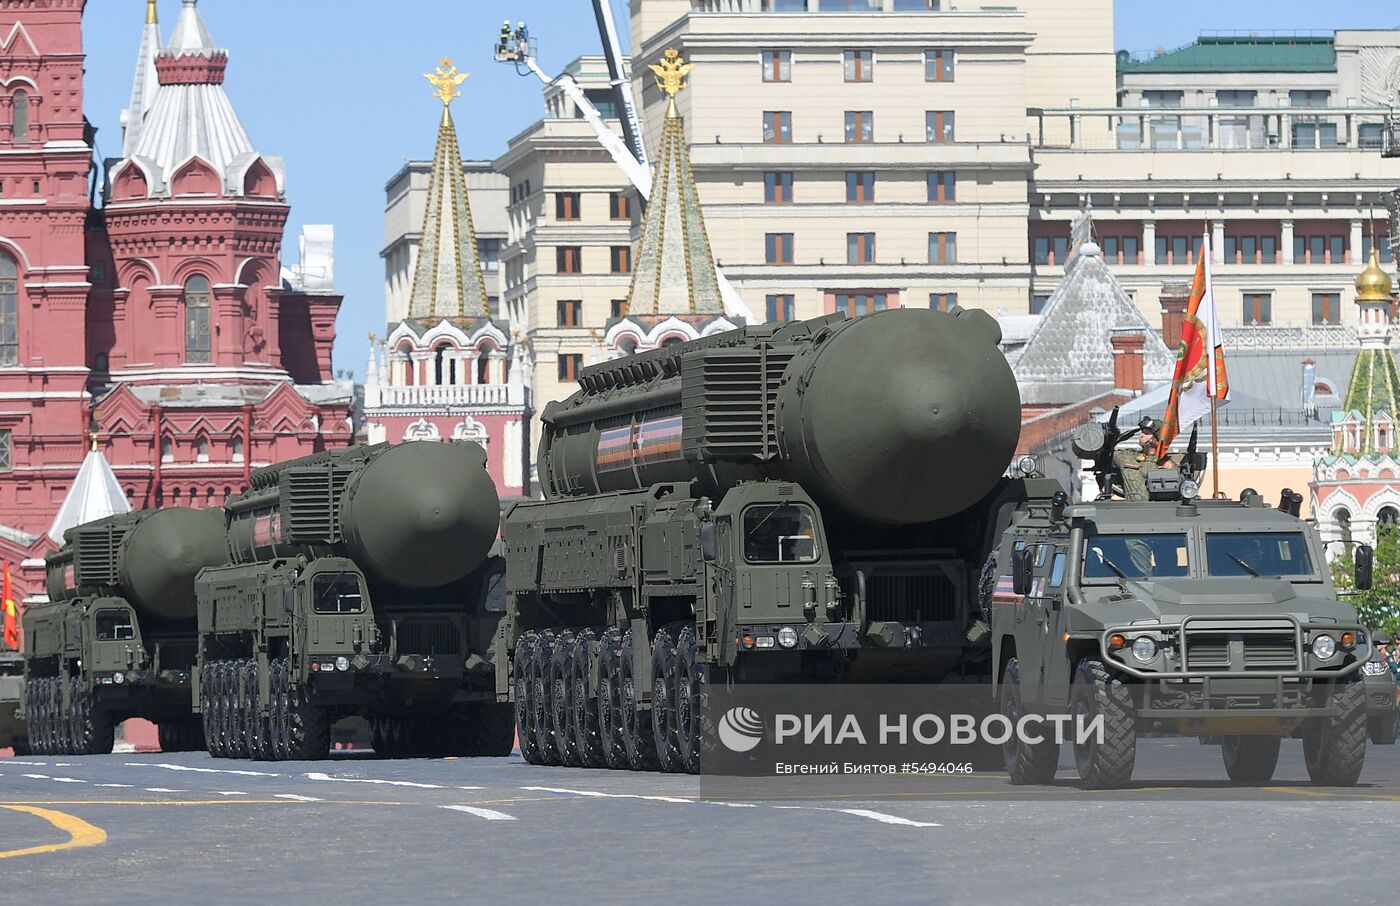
(96, 494)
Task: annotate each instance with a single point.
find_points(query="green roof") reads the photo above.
(1240, 53)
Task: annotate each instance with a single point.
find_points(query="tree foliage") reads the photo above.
(1379, 608)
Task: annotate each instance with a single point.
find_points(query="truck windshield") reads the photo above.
(1143, 556)
(115, 626)
(780, 534)
(337, 593)
(1257, 554)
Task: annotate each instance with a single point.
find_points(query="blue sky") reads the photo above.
(335, 87)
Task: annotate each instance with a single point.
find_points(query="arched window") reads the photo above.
(9, 310)
(483, 362)
(444, 367)
(1388, 516)
(237, 450)
(1342, 516)
(671, 341)
(627, 345)
(201, 449)
(167, 450)
(21, 118)
(197, 302)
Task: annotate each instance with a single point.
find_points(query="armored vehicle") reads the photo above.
(1163, 613)
(360, 582)
(117, 637)
(13, 732)
(806, 501)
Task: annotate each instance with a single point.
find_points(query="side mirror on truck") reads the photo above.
(1021, 566)
(1365, 563)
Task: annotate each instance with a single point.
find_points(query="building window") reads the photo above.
(942, 301)
(486, 354)
(779, 307)
(237, 455)
(1319, 248)
(1050, 250)
(7, 451)
(938, 124)
(569, 366)
(938, 66)
(167, 450)
(1381, 243)
(568, 259)
(620, 206)
(570, 312)
(777, 248)
(197, 301)
(1038, 302)
(860, 188)
(777, 127)
(860, 126)
(566, 205)
(777, 66)
(201, 449)
(1258, 308)
(860, 248)
(942, 187)
(620, 259)
(618, 308)
(942, 248)
(488, 251)
(9, 310)
(777, 188)
(859, 65)
(1251, 249)
(1370, 136)
(1182, 248)
(21, 116)
(1120, 249)
(855, 304)
(1327, 308)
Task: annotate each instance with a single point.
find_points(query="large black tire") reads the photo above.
(610, 717)
(47, 716)
(1025, 763)
(255, 729)
(38, 702)
(183, 735)
(1108, 764)
(278, 708)
(588, 740)
(206, 708)
(663, 699)
(524, 701)
(238, 709)
(689, 696)
(93, 729)
(560, 676)
(1334, 749)
(21, 747)
(541, 720)
(308, 727)
(637, 738)
(58, 725)
(1250, 759)
(218, 705)
(488, 729)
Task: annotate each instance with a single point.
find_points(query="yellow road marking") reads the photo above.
(25, 805)
(80, 833)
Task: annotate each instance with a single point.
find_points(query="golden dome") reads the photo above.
(1373, 284)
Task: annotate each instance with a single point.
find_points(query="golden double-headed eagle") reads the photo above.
(671, 72)
(446, 80)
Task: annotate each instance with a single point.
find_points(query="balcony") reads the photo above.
(462, 395)
(910, 155)
(1215, 129)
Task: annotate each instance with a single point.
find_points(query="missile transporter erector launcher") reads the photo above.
(117, 637)
(807, 501)
(361, 582)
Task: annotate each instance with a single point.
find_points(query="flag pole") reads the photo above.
(1214, 451)
(1210, 371)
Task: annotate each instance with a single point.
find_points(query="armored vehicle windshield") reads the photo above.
(1135, 556)
(1281, 554)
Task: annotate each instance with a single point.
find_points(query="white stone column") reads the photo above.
(1286, 240)
(1149, 241)
(1354, 244)
(1217, 241)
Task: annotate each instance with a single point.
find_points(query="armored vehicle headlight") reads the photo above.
(1190, 489)
(787, 637)
(1348, 640)
(342, 663)
(118, 678)
(764, 641)
(1144, 648)
(1324, 646)
(1117, 640)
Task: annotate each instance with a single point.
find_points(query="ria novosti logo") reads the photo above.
(740, 729)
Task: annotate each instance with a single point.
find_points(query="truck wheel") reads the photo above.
(74, 742)
(218, 742)
(93, 731)
(237, 709)
(561, 699)
(308, 727)
(540, 717)
(588, 739)
(637, 738)
(1334, 749)
(21, 747)
(524, 707)
(610, 718)
(489, 728)
(1106, 764)
(255, 725)
(34, 708)
(55, 710)
(63, 727)
(1250, 759)
(44, 702)
(663, 699)
(277, 724)
(206, 710)
(689, 704)
(1026, 763)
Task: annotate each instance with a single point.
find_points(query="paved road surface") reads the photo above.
(185, 828)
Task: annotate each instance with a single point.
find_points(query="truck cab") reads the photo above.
(1172, 615)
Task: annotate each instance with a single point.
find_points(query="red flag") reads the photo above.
(1200, 364)
(7, 604)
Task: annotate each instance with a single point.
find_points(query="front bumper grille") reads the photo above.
(1241, 648)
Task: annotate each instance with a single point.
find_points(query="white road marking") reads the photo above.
(229, 793)
(182, 767)
(54, 779)
(295, 798)
(487, 813)
(318, 775)
(161, 789)
(115, 786)
(882, 817)
(471, 787)
(30, 764)
(597, 795)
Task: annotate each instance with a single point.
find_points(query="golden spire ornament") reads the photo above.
(151, 12)
(446, 81)
(670, 76)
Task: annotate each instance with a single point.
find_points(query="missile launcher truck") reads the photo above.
(117, 637)
(360, 582)
(796, 502)
(1161, 613)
